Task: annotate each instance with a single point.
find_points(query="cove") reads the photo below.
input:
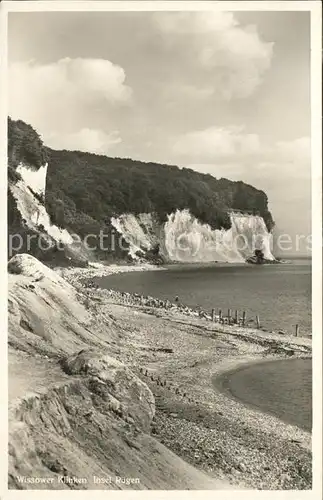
(282, 388)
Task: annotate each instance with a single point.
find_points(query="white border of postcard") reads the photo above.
(316, 146)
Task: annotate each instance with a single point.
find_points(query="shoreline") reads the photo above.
(189, 410)
(98, 269)
(137, 299)
(91, 278)
(221, 382)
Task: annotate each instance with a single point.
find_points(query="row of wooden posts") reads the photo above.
(168, 385)
(236, 321)
(233, 319)
(230, 317)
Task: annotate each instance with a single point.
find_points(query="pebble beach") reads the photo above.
(179, 352)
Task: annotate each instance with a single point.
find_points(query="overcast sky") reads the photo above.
(223, 93)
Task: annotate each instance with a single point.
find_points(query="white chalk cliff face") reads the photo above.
(185, 239)
(35, 179)
(137, 230)
(32, 210)
(182, 238)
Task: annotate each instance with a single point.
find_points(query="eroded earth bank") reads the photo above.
(106, 393)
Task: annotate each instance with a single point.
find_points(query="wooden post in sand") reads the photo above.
(220, 315)
(258, 321)
(213, 314)
(236, 317)
(229, 316)
(243, 318)
(296, 330)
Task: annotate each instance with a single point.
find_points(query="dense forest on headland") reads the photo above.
(102, 187)
(84, 190)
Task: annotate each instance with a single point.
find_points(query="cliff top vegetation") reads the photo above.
(84, 190)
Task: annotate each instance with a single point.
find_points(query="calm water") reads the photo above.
(280, 294)
(281, 388)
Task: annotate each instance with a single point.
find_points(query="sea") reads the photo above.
(279, 294)
(281, 388)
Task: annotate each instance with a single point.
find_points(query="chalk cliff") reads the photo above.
(183, 238)
(144, 211)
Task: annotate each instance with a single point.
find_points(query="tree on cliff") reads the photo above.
(103, 187)
(84, 190)
(24, 145)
